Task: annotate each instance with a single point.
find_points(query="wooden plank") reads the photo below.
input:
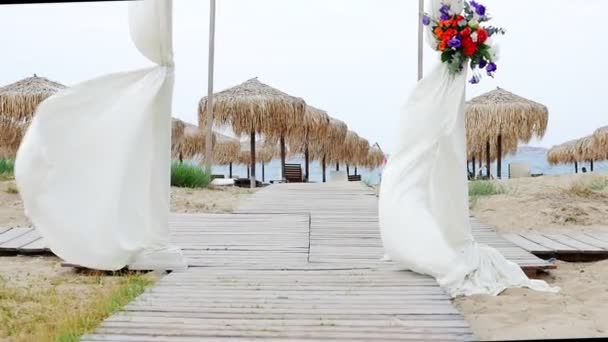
(28, 237)
(589, 239)
(548, 243)
(12, 234)
(526, 244)
(581, 246)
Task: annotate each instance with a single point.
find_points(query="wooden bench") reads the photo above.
(354, 178)
(293, 173)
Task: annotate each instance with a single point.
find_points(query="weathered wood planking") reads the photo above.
(570, 247)
(346, 305)
(283, 297)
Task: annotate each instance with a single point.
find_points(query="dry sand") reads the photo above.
(183, 200)
(28, 278)
(548, 204)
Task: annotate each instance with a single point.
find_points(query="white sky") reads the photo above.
(354, 58)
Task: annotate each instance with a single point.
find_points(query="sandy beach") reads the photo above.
(547, 204)
(34, 289)
(550, 203)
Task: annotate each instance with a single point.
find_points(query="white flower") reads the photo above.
(474, 37)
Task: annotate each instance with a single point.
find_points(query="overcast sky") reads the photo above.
(354, 58)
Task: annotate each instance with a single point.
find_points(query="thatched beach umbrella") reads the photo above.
(500, 116)
(226, 151)
(18, 102)
(323, 149)
(600, 138)
(313, 131)
(177, 134)
(352, 150)
(264, 153)
(586, 150)
(564, 154)
(193, 142)
(375, 158)
(254, 107)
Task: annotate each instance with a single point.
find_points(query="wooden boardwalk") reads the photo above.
(295, 262)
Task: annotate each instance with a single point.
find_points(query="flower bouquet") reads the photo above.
(461, 37)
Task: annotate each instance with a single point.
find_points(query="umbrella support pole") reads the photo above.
(230, 170)
(263, 175)
(488, 159)
(306, 166)
(499, 160)
(591, 164)
(347, 170)
(283, 157)
(575, 167)
(248, 174)
(355, 171)
(337, 166)
(252, 177)
(323, 169)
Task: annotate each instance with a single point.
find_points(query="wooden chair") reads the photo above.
(293, 173)
(354, 178)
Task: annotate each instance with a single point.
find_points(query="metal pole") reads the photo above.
(420, 37)
(209, 128)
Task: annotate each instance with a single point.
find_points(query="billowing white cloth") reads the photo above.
(423, 207)
(94, 166)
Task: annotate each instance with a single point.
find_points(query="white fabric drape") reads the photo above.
(423, 207)
(94, 166)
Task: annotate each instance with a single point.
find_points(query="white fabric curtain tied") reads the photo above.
(94, 166)
(423, 206)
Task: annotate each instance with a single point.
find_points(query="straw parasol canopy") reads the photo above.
(253, 106)
(19, 100)
(265, 152)
(313, 130)
(600, 137)
(352, 150)
(192, 142)
(226, 150)
(177, 134)
(374, 159)
(331, 144)
(563, 154)
(503, 119)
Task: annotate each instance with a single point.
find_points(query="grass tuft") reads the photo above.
(65, 308)
(588, 187)
(7, 167)
(189, 176)
(478, 189)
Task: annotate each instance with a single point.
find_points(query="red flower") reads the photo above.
(442, 46)
(482, 36)
(466, 32)
(469, 46)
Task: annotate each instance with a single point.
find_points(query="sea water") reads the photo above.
(535, 157)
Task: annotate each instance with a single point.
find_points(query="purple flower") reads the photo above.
(445, 12)
(474, 79)
(426, 20)
(491, 67)
(482, 63)
(454, 43)
(479, 8)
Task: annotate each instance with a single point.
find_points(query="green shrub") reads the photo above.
(7, 166)
(189, 176)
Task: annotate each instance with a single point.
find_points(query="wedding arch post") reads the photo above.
(209, 124)
(420, 37)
